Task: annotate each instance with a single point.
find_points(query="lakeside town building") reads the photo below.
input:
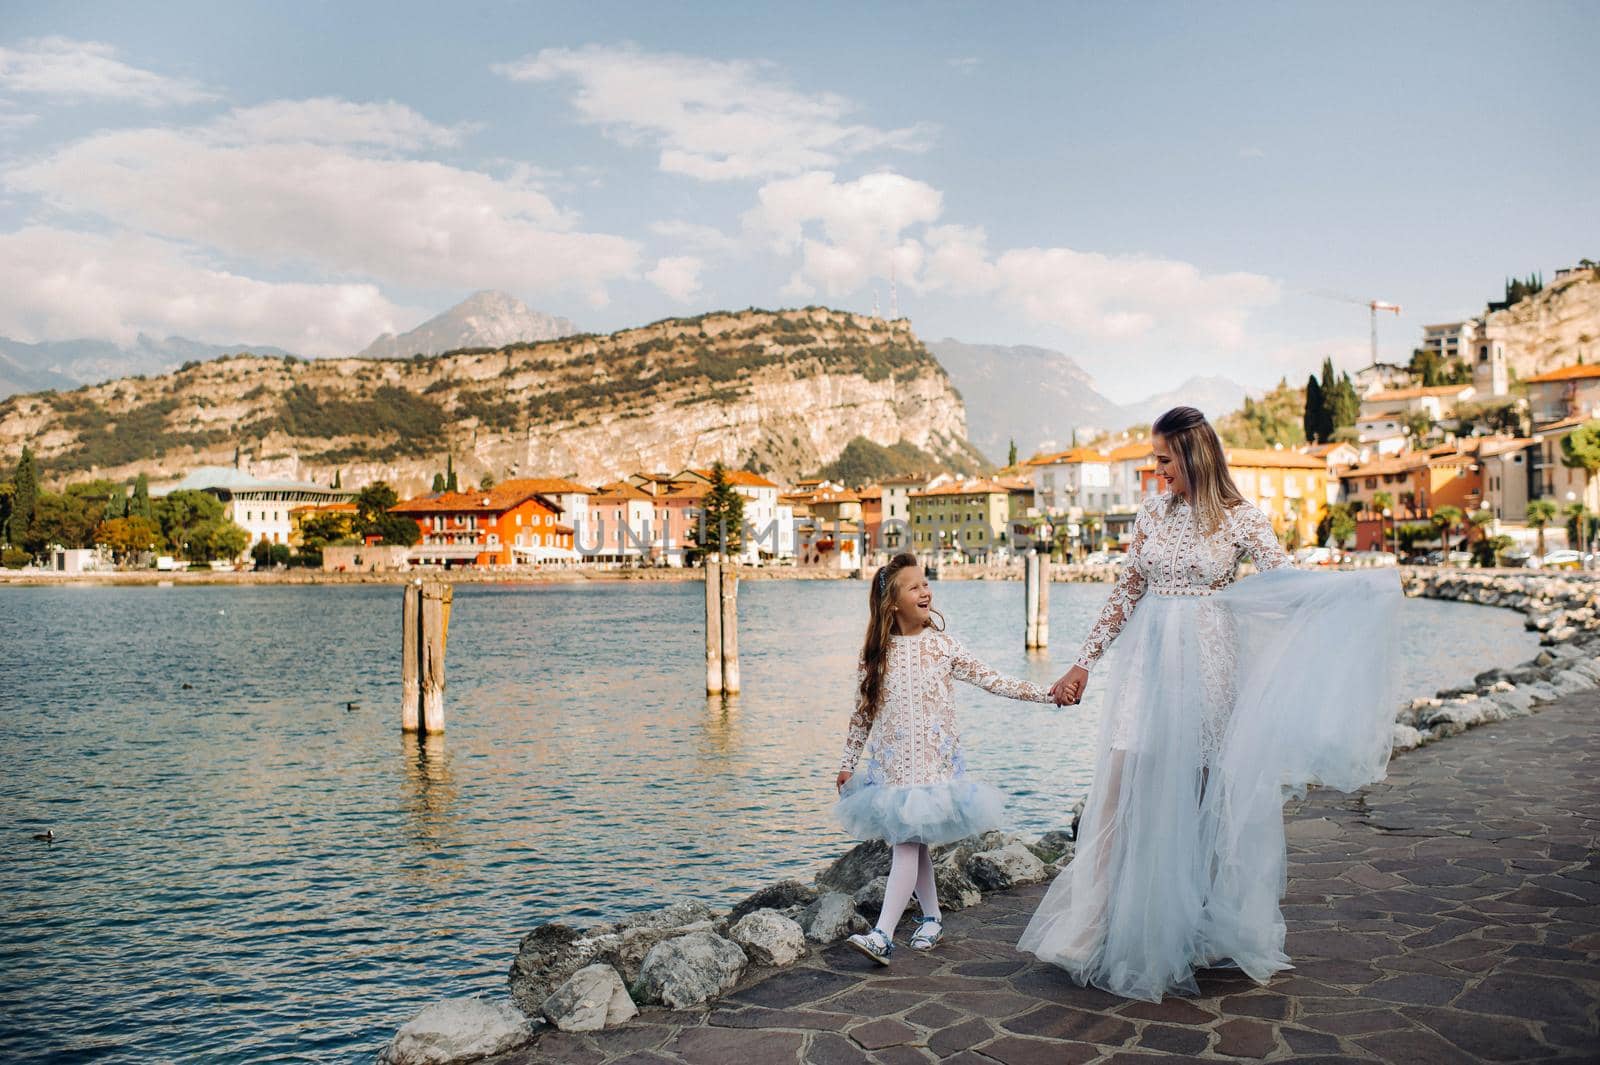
(512, 522)
(262, 507)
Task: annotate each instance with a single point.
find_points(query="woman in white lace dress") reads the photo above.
(914, 791)
(1221, 697)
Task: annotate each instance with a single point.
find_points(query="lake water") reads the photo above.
(245, 870)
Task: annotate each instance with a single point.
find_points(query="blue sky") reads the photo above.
(1156, 189)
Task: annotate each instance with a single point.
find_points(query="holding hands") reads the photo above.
(1069, 689)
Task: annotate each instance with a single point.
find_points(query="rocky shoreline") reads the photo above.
(686, 954)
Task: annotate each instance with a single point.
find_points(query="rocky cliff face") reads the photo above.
(1557, 327)
(780, 391)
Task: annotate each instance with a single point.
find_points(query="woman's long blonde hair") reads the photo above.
(880, 625)
(1198, 453)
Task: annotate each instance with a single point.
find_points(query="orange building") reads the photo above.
(512, 522)
(1290, 488)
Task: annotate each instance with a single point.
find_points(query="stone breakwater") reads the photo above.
(684, 955)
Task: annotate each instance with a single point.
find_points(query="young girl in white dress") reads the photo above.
(1221, 697)
(914, 791)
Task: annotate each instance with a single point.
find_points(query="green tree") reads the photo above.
(1338, 524)
(1578, 525)
(486, 482)
(24, 501)
(1541, 512)
(372, 505)
(1311, 420)
(438, 483)
(216, 539)
(180, 515)
(325, 527)
(1011, 455)
(398, 529)
(1480, 520)
(1580, 449)
(127, 537)
(721, 524)
(139, 502)
(1488, 551)
(1419, 424)
(1340, 400)
(337, 478)
(1273, 419)
(450, 474)
(1447, 518)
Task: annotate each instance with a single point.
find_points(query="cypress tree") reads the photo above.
(438, 483)
(1311, 420)
(24, 498)
(450, 473)
(1011, 457)
(139, 504)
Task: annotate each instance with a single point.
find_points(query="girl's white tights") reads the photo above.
(909, 867)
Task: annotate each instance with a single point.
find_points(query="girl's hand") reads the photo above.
(839, 782)
(1069, 689)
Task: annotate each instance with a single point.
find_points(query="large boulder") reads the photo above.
(1010, 866)
(955, 887)
(784, 895)
(457, 1030)
(860, 865)
(768, 937)
(549, 955)
(1054, 845)
(594, 998)
(1406, 738)
(688, 970)
(832, 917)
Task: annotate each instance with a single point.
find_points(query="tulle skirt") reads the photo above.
(919, 813)
(1217, 707)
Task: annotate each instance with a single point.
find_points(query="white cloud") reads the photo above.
(966, 63)
(715, 120)
(12, 118)
(329, 120)
(88, 70)
(861, 223)
(678, 276)
(255, 186)
(694, 235)
(56, 283)
(1103, 297)
(1252, 153)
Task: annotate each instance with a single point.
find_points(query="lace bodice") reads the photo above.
(1172, 555)
(913, 738)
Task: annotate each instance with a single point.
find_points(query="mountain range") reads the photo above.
(66, 364)
(483, 320)
(1039, 398)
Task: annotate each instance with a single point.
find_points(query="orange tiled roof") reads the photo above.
(622, 490)
(828, 495)
(1567, 373)
(496, 500)
(1072, 454)
(552, 485)
(1272, 458)
(978, 486)
(744, 477)
(1136, 449)
(871, 491)
(1416, 392)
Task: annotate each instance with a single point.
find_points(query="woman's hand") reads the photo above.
(1069, 689)
(843, 776)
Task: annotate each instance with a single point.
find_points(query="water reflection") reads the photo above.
(721, 725)
(431, 791)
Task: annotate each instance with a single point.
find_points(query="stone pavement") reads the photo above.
(1450, 914)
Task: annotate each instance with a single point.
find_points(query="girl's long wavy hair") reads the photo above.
(880, 625)
(1198, 453)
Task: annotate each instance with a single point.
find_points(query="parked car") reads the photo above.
(1371, 558)
(1516, 559)
(1315, 556)
(1459, 558)
(1097, 558)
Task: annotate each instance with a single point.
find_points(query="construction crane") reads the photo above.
(1373, 307)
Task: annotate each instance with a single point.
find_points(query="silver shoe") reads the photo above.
(874, 944)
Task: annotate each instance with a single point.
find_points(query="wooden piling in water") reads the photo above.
(1042, 613)
(410, 637)
(436, 600)
(713, 570)
(730, 630)
(1030, 599)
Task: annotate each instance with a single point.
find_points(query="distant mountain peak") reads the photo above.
(485, 319)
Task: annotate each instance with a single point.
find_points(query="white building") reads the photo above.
(760, 507)
(258, 506)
